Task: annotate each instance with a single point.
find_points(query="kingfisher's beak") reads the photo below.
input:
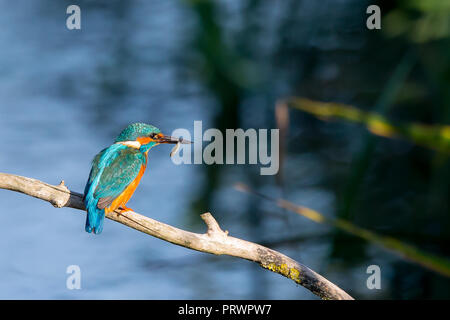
(168, 139)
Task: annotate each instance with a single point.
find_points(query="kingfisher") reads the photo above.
(117, 170)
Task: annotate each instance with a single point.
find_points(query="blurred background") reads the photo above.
(375, 156)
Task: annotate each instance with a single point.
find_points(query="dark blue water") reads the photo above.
(64, 95)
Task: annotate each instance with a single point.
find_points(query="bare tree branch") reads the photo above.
(215, 240)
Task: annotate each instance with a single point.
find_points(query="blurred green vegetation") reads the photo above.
(248, 55)
(435, 137)
(419, 20)
(430, 261)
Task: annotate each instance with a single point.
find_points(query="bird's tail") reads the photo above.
(94, 220)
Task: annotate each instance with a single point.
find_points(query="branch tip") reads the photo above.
(212, 224)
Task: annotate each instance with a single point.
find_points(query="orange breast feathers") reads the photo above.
(122, 200)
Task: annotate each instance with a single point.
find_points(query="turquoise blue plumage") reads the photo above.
(116, 171)
(113, 169)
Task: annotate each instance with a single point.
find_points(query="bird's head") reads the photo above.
(143, 137)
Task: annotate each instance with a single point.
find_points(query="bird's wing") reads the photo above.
(94, 171)
(120, 171)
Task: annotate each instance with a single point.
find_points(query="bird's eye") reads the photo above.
(153, 135)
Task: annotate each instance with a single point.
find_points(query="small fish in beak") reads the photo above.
(177, 146)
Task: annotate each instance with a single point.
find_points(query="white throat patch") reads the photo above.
(131, 144)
